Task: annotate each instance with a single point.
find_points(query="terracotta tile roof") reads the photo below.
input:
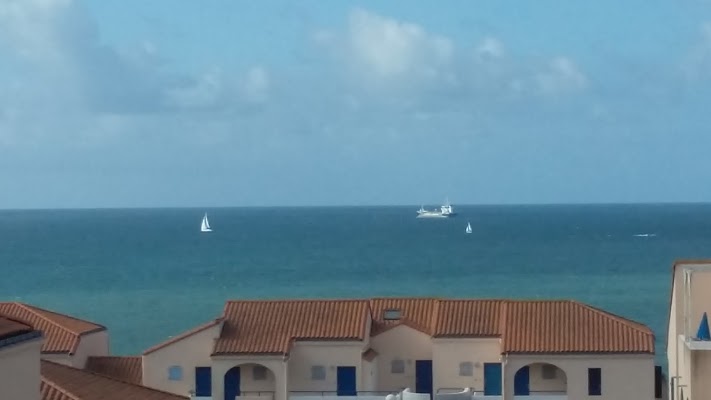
(417, 313)
(570, 327)
(269, 327)
(14, 331)
(183, 335)
(49, 391)
(60, 382)
(457, 318)
(126, 369)
(62, 332)
(12, 327)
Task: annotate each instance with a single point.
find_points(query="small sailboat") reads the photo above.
(205, 225)
(469, 228)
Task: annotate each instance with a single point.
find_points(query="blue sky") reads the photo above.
(234, 103)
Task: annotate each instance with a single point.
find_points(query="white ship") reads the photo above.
(444, 211)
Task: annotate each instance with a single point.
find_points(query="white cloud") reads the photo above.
(54, 62)
(256, 85)
(697, 63)
(386, 49)
(204, 92)
(401, 58)
(490, 48)
(561, 76)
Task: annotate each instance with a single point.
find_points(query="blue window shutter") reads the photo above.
(594, 382)
(203, 381)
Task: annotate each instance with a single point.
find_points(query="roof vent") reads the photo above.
(392, 314)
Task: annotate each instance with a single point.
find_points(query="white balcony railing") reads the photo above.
(532, 396)
(362, 395)
(693, 344)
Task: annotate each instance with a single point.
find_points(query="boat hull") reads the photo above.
(432, 215)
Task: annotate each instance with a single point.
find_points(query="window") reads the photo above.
(259, 373)
(397, 367)
(318, 373)
(466, 369)
(392, 314)
(549, 371)
(175, 373)
(594, 382)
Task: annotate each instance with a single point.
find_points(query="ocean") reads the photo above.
(148, 274)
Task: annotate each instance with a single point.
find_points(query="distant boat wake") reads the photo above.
(645, 235)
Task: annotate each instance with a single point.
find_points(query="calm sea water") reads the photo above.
(149, 273)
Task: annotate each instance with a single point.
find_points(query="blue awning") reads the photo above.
(704, 333)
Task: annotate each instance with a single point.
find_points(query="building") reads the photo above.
(68, 340)
(43, 353)
(20, 347)
(688, 338)
(311, 349)
(62, 382)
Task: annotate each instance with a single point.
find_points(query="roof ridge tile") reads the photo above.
(626, 321)
(299, 300)
(33, 310)
(183, 335)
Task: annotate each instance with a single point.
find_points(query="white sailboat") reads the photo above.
(469, 228)
(205, 225)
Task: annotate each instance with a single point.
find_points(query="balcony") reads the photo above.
(243, 396)
(695, 344)
(474, 394)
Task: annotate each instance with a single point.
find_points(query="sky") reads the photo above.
(172, 103)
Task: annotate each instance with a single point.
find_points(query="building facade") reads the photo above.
(20, 347)
(69, 340)
(688, 338)
(489, 349)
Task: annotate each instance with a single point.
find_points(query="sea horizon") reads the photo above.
(346, 205)
(148, 274)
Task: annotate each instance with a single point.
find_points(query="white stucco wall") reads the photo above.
(629, 377)
(682, 362)
(672, 331)
(93, 344)
(447, 354)
(330, 355)
(188, 353)
(276, 365)
(64, 359)
(369, 375)
(404, 343)
(20, 371)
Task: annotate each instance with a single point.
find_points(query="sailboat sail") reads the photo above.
(205, 225)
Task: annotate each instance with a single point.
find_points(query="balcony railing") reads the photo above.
(478, 394)
(441, 394)
(255, 395)
(333, 395)
(533, 395)
(695, 344)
